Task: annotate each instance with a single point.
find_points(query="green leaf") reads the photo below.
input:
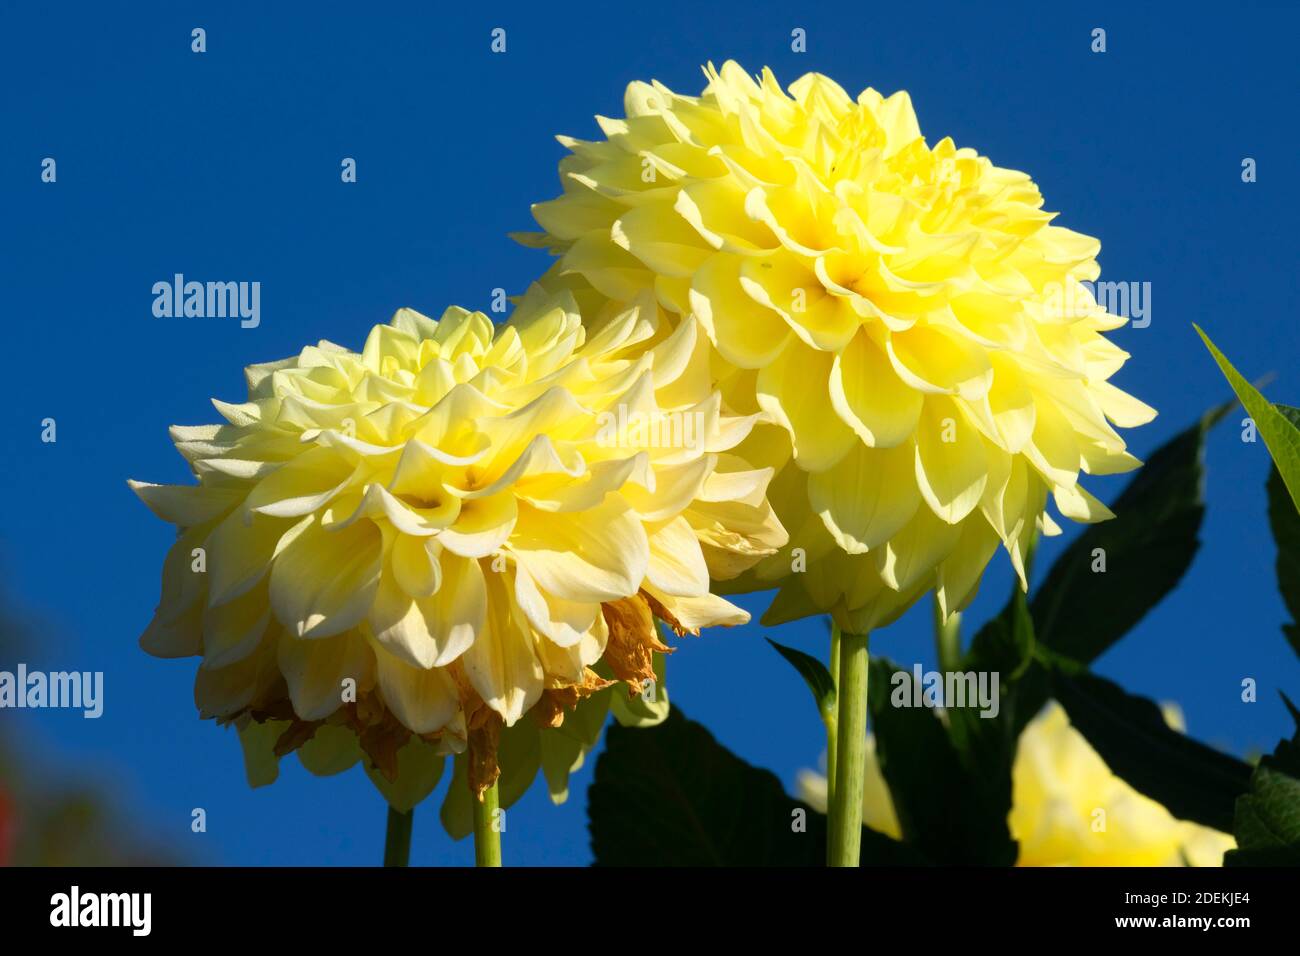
(1193, 782)
(519, 754)
(564, 748)
(945, 808)
(646, 709)
(671, 795)
(814, 674)
(987, 745)
(1285, 521)
(1268, 817)
(560, 756)
(1148, 546)
(457, 811)
(1280, 433)
(332, 749)
(419, 768)
(261, 765)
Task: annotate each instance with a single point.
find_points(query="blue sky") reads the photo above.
(226, 165)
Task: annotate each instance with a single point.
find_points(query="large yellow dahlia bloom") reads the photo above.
(905, 314)
(1067, 808)
(450, 529)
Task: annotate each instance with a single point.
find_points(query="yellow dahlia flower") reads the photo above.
(1067, 808)
(450, 529)
(905, 314)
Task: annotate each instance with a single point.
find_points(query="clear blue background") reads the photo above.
(225, 166)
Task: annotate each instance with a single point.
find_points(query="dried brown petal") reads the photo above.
(482, 764)
(633, 640)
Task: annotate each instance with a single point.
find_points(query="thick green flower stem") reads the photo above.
(397, 842)
(947, 639)
(830, 717)
(487, 838)
(845, 825)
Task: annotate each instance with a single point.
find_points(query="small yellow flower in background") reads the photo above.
(1067, 808)
(915, 331)
(877, 805)
(449, 530)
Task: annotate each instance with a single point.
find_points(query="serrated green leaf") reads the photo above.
(987, 745)
(1267, 825)
(1147, 547)
(671, 795)
(1193, 782)
(814, 674)
(1280, 434)
(946, 809)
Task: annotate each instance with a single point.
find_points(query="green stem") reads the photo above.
(947, 639)
(487, 838)
(831, 718)
(397, 841)
(845, 809)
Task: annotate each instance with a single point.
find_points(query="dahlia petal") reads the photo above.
(233, 630)
(482, 526)
(178, 635)
(1121, 408)
(501, 664)
(599, 556)
(791, 603)
(612, 271)
(794, 292)
(434, 630)
(415, 565)
(314, 670)
(715, 208)
(951, 464)
(914, 552)
(869, 396)
(563, 622)
(424, 699)
(186, 505)
(693, 612)
(301, 486)
(793, 389)
(239, 553)
(868, 497)
(1099, 459)
(746, 334)
(379, 502)
(931, 360)
(576, 214)
(176, 628)
(959, 573)
(564, 494)
(1053, 449)
(1011, 403)
(1078, 505)
(225, 691)
(673, 489)
(676, 564)
(324, 582)
(661, 239)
